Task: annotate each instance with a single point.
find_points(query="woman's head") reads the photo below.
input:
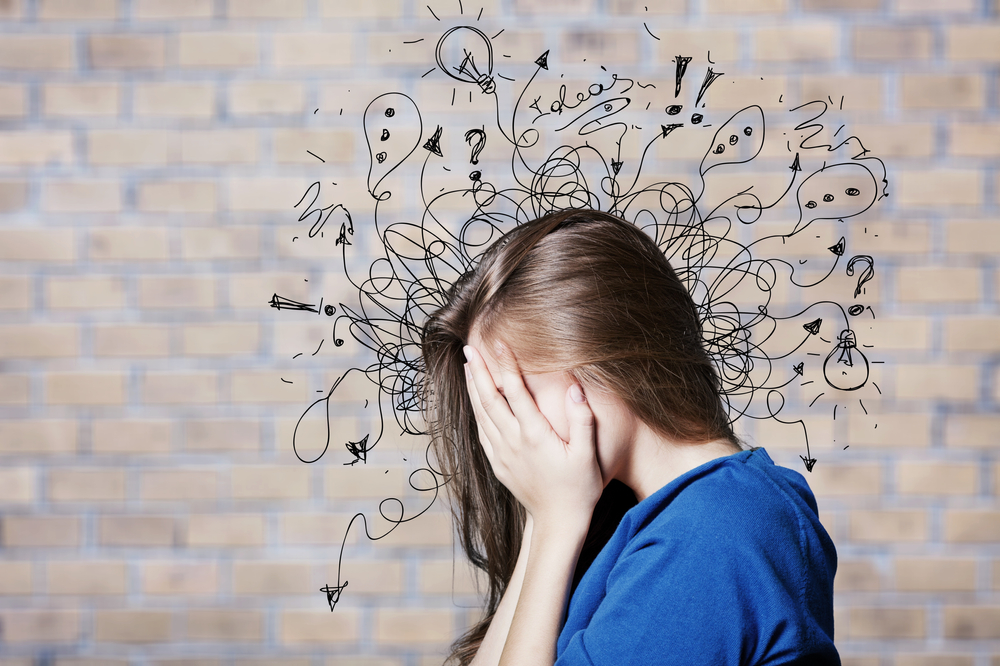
(584, 296)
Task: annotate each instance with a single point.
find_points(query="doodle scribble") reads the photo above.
(554, 149)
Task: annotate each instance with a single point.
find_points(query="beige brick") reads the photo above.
(74, 10)
(217, 49)
(724, 46)
(942, 91)
(17, 485)
(318, 529)
(601, 45)
(55, 245)
(974, 140)
(11, 9)
(938, 284)
(372, 9)
(179, 485)
(884, 43)
(290, 145)
(972, 622)
(13, 101)
(221, 435)
(972, 430)
(937, 478)
(180, 578)
(176, 100)
(890, 525)
(136, 530)
(15, 578)
(935, 574)
(264, 194)
(86, 578)
(15, 389)
(13, 195)
(358, 481)
(265, 9)
(910, 333)
(259, 386)
(74, 100)
(36, 148)
(178, 388)
(859, 93)
(40, 531)
(887, 623)
(977, 236)
(40, 626)
(370, 577)
(85, 388)
(206, 243)
(37, 52)
(127, 244)
(937, 382)
(81, 196)
(952, 187)
(745, 6)
(86, 485)
(177, 196)
(973, 42)
(167, 291)
(637, 7)
(219, 147)
(933, 6)
(119, 436)
(430, 529)
(272, 578)
(39, 341)
(411, 626)
(131, 340)
(972, 334)
(312, 50)
(971, 526)
(84, 292)
(225, 530)
(841, 6)
(132, 626)
(849, 480)
(153, 10)
(266, 97)
(302, 627)
(132, 147)
(271, 482)
(857, 576)
(223, 624)
(38, 437)
(803, 42)
(16, 292)
(126, 51)
(903, 139)
(932, 660)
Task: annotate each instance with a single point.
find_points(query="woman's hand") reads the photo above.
(557, 482)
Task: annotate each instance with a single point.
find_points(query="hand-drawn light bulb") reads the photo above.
(846, 368)
(465, 54)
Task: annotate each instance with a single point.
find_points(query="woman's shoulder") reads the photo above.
(745, 496)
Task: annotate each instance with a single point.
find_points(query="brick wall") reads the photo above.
(151, 152)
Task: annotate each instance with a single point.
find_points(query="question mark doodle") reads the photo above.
(480, 138)
(866, 275)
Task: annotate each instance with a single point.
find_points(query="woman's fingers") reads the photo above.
(518, 397)
(477, 410)
(581, 420)
(489, 397)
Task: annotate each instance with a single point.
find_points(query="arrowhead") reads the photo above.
(798, 368)
(616, 166)
(813, 326)
(838, 249)
(795, 165)
(543, 60)
(667, 129)
(809, 462)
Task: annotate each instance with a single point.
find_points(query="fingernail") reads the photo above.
(465, 350)
(468, 375)
(576, 393)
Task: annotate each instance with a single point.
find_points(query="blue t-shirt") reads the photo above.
(726, 564)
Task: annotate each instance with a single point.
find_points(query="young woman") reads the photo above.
(595, 476)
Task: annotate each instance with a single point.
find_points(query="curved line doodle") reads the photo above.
(760, 351)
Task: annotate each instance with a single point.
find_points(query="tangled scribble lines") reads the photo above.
(540, 148)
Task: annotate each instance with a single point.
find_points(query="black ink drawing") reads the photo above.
(510, 177)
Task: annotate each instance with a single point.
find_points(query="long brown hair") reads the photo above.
(579, 291)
